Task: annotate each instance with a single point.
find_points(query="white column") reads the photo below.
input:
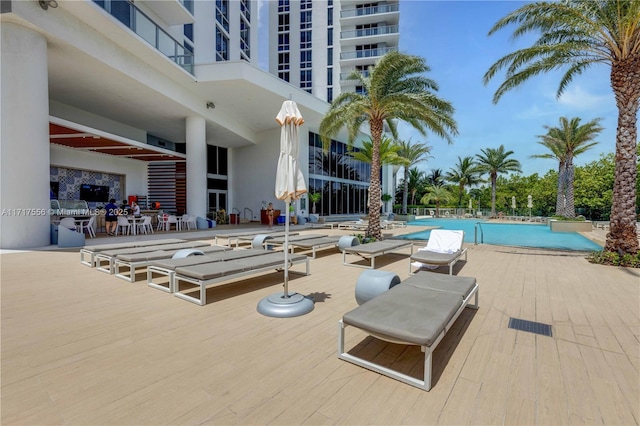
(24, 139)
(196, 166)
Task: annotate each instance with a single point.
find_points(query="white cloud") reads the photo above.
(579, 98)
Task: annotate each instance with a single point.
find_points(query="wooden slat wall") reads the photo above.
(167, 184)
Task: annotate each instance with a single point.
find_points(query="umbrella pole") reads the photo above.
(286, 250)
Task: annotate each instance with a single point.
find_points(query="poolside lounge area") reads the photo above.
(82, 347)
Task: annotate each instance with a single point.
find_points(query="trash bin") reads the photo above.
(234, 219)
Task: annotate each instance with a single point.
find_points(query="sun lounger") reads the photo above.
(444, 248)
(353, 224)
(252, 238)
(372, 250)
(234, 235)
(104, 260)
(125, 265)
(278, 241)
(91, 251)
(316, 243)
(207, 274)
(418, 311)
(167, 267)
(321, 223)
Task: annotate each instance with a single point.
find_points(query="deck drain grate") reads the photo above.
(530, 326)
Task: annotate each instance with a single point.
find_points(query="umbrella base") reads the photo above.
(276, 305)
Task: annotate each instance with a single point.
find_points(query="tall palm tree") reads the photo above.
(412, 154)
(414, 182)
(574, 35)
(494, 161)
(565, 143)
(436, 177)
(388, 152)
(437, 194)
(394, 89)
(465, 173)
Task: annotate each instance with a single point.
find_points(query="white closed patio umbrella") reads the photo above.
(289, 186)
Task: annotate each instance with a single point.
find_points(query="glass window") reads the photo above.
(222, 46)
(222, 13)
(121, 9)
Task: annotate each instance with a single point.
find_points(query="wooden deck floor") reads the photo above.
(85, 348)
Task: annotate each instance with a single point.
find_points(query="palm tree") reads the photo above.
(314, 197)
(388, 152)
(435, 177)
(412, 154)
(576, 34)
(394, 89)
(565, 143)
(414, 182)
(494, 161)
(465, 173)
(437, 194)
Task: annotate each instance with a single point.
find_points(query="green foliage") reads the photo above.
(614, 259)
(364, 239)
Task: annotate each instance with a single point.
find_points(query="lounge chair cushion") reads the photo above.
(207, 271)
(378, 246)
(393, 315)
(434, 258)
(433, 298)
(462, 286)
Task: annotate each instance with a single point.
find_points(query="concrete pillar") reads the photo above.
(24, 139)
(196, 166)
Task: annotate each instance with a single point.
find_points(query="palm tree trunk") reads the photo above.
(493, 194)
(625, 81)
(374, 229)
(570, 209)
(405, 193)
(560, 195)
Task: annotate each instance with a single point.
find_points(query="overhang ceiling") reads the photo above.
(92, 142)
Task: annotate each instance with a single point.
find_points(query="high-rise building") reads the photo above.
(315, 45)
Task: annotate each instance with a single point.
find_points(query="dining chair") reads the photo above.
(88, 226)
(69, 223)
(172, 220)
(145, 226)
(123, 223)
(162, 222)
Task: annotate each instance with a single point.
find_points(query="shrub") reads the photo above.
(614, 259)
(362, 239)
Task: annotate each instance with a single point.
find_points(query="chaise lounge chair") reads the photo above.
(372, 250)
(92, 251)
(418, 311)
(443, 248)
(105, 260)
(125, 265)
(167, 267)
(324, 242)
(207, 274)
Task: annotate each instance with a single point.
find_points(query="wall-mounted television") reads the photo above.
(98, 193)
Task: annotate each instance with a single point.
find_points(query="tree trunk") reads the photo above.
(405, 193)
(494, 177)
(374, 229)
(625, 81)
(560, 195)
(570, 208)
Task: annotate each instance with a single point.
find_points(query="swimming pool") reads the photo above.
(508, 234)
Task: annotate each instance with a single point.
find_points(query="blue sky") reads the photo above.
(452, 37)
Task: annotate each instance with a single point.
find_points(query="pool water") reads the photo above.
(508, 234)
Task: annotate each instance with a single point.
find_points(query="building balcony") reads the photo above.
(138, 22)
(389, 34)
(389, 13)
(364, 57)
(173, 12)
(346, 81)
